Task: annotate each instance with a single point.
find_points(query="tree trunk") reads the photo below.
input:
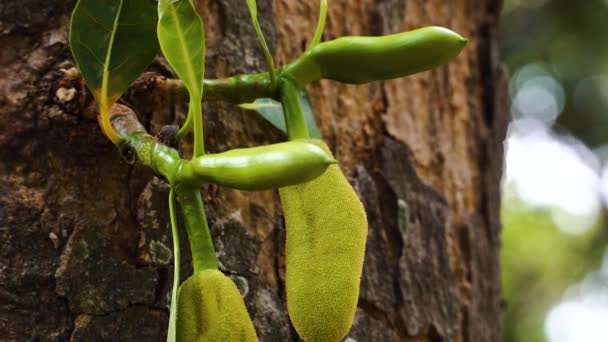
(85, 243)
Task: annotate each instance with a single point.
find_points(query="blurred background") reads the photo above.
(555, 187)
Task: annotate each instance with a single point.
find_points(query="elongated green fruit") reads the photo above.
(260, 168)
(210, 308)
(359, 60)
(326, 230)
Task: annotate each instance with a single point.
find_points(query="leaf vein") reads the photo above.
(186, 51)
(95, 20)
(97, 59)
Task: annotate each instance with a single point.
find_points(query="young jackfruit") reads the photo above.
(210, 308)
(326, 230)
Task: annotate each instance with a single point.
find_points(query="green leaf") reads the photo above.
(113, 42)
(272, 111)
(171, 333)
(320, 24)
(253, 11)
(182, 40)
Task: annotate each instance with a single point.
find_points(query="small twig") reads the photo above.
(124, 121)
(140, 146)
(154, 92)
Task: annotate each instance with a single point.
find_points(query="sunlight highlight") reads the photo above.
(584, 317)
(549, 171)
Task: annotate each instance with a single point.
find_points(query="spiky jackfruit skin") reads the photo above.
(326, 232)
(210, 308)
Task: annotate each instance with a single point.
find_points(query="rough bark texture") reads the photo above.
(85, 243)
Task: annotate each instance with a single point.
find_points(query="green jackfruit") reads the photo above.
(326, 229)
(210, 308)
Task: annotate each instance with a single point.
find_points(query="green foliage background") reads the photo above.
(539, 262)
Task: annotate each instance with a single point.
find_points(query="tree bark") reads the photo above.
(85, 238)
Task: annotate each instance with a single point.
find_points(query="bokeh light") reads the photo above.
(555, 184)
(554, 173)
(583, 315)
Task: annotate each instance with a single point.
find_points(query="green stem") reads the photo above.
(269, 59)
(195, 118)
(201, 244)
(199, 141)
(176, 266)
(149, 152)
(186, 128)
(237, 89)
(292, 108)
(240, 88)
(320, 24)
(253, 11)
